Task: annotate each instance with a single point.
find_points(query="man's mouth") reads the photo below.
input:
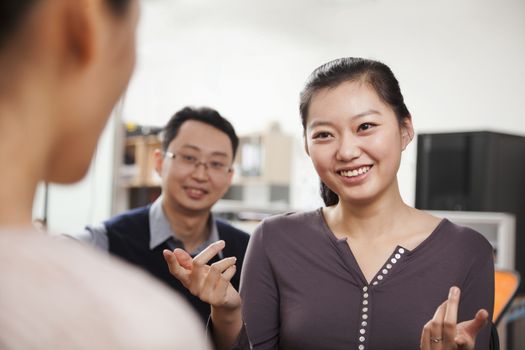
(196, 192)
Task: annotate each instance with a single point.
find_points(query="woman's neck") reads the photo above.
(17, 189)
(23, 155)
(370, 219)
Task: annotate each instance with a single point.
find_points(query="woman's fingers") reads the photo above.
(183, 258)
(443, 331)
(210, 283)
(425, 337)
(181, 273)
(228, 274)
(208, 253)
(432, 335)
(440, 331)
(223, 280)
(190, 270)
(216, 270)
(436, 327)
(451, 316)
(214, 289)
(468, 330)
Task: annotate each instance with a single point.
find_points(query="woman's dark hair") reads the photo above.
(13, 13)
(204, 115)
(118, 6)
(378, 75)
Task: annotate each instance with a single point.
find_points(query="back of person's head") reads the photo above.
(63, 66)
(13, 15)
(204, 115)
(353, 69)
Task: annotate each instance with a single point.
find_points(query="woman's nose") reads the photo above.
(349, 148)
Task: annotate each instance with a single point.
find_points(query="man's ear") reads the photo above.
(159, 159)
(407, 132)
(230, 176)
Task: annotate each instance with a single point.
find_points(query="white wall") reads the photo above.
(459, 62)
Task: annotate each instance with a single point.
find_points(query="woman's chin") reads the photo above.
(66, 175)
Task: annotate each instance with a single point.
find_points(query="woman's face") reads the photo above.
(89, 92)
(355, 141)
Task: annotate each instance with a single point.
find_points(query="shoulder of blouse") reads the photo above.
(467, 237)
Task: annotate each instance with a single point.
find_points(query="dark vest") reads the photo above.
(129, 237)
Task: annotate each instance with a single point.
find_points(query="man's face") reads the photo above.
(196, 169)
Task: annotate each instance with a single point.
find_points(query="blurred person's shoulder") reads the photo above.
(55, 293)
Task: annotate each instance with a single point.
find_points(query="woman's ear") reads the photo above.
(306, 146)
(79, 19)
(407, 132)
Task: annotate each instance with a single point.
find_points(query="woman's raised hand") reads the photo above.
(443, 332)
(210, 283)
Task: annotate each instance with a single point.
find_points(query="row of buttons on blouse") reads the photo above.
(379, 277)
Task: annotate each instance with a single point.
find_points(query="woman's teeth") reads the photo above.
(355, 172)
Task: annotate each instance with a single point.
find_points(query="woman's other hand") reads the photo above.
(444, 333)
(210, 283)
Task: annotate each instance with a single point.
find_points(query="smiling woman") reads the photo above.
(350, 136)
(366, 271)
(63, 65)
(377, 77)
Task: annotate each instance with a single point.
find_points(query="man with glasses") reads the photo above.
(195, 165)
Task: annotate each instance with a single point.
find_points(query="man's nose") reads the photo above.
(200, 171)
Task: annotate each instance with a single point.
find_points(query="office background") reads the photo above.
(459, 63)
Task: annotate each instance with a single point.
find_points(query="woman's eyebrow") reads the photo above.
(366, 113)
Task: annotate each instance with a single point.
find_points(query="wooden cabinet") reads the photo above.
(263, 168)
(138, 168)
(138, 183)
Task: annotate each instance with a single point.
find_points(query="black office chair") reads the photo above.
(494, 337)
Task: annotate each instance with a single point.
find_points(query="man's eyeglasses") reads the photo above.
(187, 161)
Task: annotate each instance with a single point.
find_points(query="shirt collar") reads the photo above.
(160, 229)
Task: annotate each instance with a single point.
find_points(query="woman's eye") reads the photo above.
(365, 126)
(321, 135)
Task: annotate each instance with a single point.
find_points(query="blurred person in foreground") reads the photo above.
(63, 65)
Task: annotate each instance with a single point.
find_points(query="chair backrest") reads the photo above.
(506, 284)
(494, 337)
